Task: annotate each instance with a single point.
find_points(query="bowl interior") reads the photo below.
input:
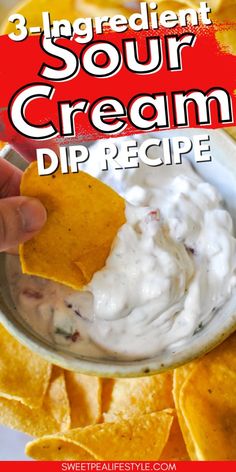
(221, 172)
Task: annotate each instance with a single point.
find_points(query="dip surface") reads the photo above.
(172, 265)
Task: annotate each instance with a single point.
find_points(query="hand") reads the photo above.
(20, 217)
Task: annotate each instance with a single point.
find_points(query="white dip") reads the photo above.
(171, 267)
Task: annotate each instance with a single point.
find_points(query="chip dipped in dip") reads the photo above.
(172, 265)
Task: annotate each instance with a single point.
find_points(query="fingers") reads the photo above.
(27, 148)
(10, 178)
(20, 219)
(13, 250)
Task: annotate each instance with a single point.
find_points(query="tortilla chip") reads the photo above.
(94, 8)
(231, 131)
(57, 401)
(32, 10)
(84, 392)
(227, 38)
(176, 5)
(140, 438)
(208, 403)
(51, 417)
(107, 388)
(216, 5)
(87, 260)
(84, 214)
(24, 376)
(129, 397)
(53, 448)
(173, 5)
(180, 377)
(68, 9)
(175, 449)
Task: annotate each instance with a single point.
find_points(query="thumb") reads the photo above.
(20, 219)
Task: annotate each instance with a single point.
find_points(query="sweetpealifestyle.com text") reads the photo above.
(128, 466)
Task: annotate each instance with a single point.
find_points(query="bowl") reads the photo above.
(221, 172)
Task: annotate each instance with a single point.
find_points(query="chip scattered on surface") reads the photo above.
(72, 9)
(181, 375)
(205, 399)
(129, 397)
(53, 416)
(176, 5)
(84, 392)
(140, 438)
(95, 8)
(84, 216)
(56, 400)
(32, 10)
(175, 448)
(227, 38)
(24, 376)
(208, 403)
(69, 9)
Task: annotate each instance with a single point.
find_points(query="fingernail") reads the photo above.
(33, 215)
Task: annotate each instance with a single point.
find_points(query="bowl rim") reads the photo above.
(110, 368)
(107, 369)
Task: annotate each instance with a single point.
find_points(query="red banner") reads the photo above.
(148, 81)
(127, 466)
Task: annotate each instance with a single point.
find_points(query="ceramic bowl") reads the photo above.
(221, 172)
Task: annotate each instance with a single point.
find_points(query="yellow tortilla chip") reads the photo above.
(84, 214)
(24, 376)
(86, 262)
(107, 388)
(67, 9)
(140, 438)
(173, 5)
(129, 397)
(57, 401)
(227, 38)
(180, 377)
(231, 131)
(219, 5)
(32, 11)
(99, 8)
(84, 392)
(208, 403)
(215, 5)
(175, 448)
(51, 417)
